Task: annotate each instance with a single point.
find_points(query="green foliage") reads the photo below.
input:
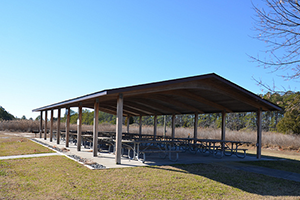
(88, 117)
(4, 115)
(131, 120)
(38, 118)
(290, 123)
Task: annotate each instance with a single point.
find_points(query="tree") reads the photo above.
(38, 118)
(4, 115)
(290, 123)
(279, 27)
(131, 121)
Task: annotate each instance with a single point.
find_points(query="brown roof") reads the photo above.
(207, 93)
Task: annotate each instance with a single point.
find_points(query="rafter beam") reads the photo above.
(176, 103)
(141, 108)
(229, 92)
(133, 109)
(198, 98)
(125, 110)
(156, 105)
(109, 111)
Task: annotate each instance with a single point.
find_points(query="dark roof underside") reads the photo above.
(208, 93)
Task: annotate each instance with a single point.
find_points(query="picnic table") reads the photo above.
(143, 147)
(218, 148)
(234, 148)
(102, 141)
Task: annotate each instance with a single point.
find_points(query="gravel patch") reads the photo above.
(88, 162)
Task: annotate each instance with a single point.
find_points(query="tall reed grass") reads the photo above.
(269, 139)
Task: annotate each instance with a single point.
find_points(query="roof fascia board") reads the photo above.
(160, 83)
(65, 103)
(247, 92)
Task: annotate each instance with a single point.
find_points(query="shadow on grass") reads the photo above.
(246, 181)
(282, 164)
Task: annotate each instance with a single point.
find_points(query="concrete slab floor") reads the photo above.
(108, 159)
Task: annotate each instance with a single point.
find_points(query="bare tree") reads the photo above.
(279, 27)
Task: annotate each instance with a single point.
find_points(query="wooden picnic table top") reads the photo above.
(146, 141)
(222, 141)
(105, 138)
(212, 140)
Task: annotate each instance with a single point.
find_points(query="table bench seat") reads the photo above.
(244, 153)
(162, 153)
(236, 152)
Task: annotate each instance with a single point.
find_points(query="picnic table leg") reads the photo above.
(138, 151)
(230, 147)
(209, 147)
(215, 151)
(205, 148)
(170, 154)
(134, 152)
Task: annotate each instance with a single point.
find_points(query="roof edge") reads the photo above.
(82, 98)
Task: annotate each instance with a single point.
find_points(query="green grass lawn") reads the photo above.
(286, 165)
(58, 177)
(20, 146)
(292, 155)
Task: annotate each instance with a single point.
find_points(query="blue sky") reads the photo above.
(56, 50)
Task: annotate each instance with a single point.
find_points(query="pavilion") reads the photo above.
(209, 93)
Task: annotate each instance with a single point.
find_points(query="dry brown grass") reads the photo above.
(19, 125)
(269, 139)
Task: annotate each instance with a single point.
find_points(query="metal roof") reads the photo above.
(209, 93)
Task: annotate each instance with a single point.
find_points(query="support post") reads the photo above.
(58, 127)
(223, 125)
(140, 127)
(79, 123)
(41, 124)
(259, 135)
(155, 127)
(223, 128)
(51, 125)
(128, 119)
(173, 126)
(46, 119)
(119, 128)
(68, 126)
(95, 128)
(196, 128)
(165, 128)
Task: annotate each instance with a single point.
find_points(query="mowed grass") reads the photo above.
(58, 177)
(285, 165)
(286, 154)
(20, 146)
